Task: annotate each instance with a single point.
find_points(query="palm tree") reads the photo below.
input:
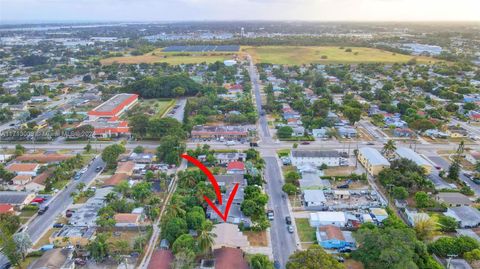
(206, 238)
(112, 196)
(389, 148)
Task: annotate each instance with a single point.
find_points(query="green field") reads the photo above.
(292, 55)
(305, 231)
(174, 58)
(153, 107)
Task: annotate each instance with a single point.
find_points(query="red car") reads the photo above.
(38, 200)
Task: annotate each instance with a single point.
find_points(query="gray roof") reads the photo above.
(13, 197)
(412, 156)
(113, 102)
(374, 157)
(314, 196)
(465, 214)
(52, 259)
(454, 198)
(315, 154)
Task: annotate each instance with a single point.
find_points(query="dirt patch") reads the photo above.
(257, 239)
(339, 171)
(353, 264)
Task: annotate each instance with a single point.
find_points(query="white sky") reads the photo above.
(161, 10)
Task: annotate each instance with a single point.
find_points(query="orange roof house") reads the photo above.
(23, 168)
(115, 179)
(43, 158)
(6, 209)
(161, 259)
(125, 168)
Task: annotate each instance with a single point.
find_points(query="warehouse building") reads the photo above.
(113, 107)
(372, 160)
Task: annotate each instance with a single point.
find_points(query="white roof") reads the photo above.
(314, 196)
(374, 157)
(411, 155)
(328, 216)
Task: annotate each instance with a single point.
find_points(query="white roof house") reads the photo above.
(322, 218)
(411, 155)
(372, 160)
(314, 198)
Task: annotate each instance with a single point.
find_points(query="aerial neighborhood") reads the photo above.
(218, 145)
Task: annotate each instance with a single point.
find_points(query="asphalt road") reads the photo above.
(60, 202)
(283, 242)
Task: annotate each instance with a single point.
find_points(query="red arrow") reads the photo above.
(207, 172)
(227, 208)
(215, 186)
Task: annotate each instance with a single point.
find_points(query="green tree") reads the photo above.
(111, 153)
(422, 200)
(173, 228)
(23, 243)
(260, 261)
(313, 258)
(88, 147)
(289, 188)
(19, 150)
(399, 193)
(206, 238)
(195, 219)
(183, 243)
(389, 148)
(170, 149)
(447, 224)
(445, 246)
(138, 149)
(353, 114)
(99, 248)
(138, 125)
(285, 132)
(141, 191)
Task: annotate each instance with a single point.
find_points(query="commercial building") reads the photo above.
(372, 160)
(108, 128)
(411, 155)
(315, 157)
(113, 107)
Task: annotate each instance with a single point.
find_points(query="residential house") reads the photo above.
(115, 179)
(143, 158)
(320, 133)
(161, 259)
(311, 181)
(23, 168)
(379, 214)
(331, 237)
(43, 158)
(128, 220)
(79, 236)
(236, 168)
(229, 235)
(314, 198)
(403, 132)
(413, 216)
(411, 155)
(57, 258)
(6, 209)
(372, 160)
(125, 168)
(435, 133)
(346, 131)
(219, 132)
(323, 218)
(226, 158)
(466, 216)
(453, 199)
(298, 131)
(227, 258)
(38, 182)
(18, 199)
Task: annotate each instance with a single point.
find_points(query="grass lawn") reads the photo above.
(339, 171)
(44, 239)
(25, 215)
(305, 231)
(283, 152)
(296, 55)
(175, 58)
(257, 239)
(59, 185)
(27, 262)
(154, 107)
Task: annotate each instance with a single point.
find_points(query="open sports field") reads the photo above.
(292, 55)
(175, 58)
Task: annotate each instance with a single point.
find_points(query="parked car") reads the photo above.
(345, 250)
(305, 143)
(288, 220)
(290, 229)
(98, 169)
(42, 210)
(270, 214)
(47, 247)
(276, 264)
(58, 225)
(38, 200)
